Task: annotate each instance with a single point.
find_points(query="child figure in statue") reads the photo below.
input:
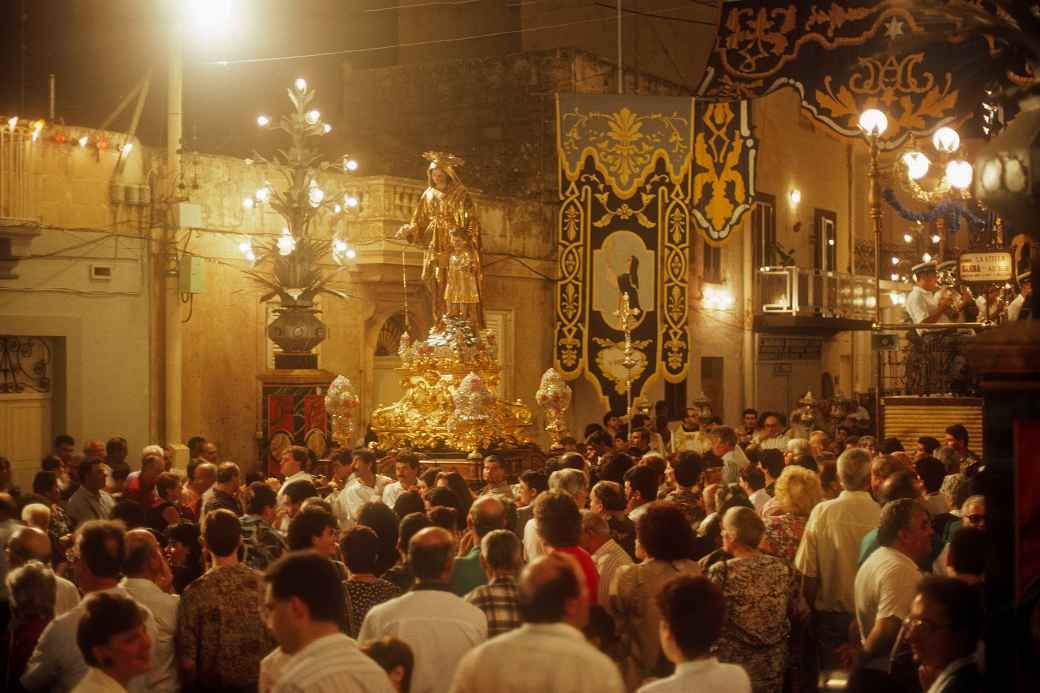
(462, 292)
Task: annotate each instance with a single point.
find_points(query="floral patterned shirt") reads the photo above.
(219, 628)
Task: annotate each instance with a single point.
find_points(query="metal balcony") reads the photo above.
(794, 299)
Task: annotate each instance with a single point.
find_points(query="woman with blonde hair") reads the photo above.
(797, 492)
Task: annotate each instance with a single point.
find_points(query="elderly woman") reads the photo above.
(32, 590)
(665, 541)
(760, 590)
(797, 492)
(608, 499)
(114, 643)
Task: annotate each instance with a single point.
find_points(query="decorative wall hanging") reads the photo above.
(636, 175)
(845, 57)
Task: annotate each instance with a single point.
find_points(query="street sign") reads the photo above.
(986, 267)
(884, 342)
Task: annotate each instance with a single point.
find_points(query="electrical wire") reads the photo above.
(433, 42)
(651, 15)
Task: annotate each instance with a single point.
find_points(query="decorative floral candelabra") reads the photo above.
(468, 423)
(340, 402)
(554, 395)
(313, 206)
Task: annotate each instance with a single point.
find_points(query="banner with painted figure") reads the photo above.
(847, 56)
(637, 176)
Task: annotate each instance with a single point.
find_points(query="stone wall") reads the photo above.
(101, 326)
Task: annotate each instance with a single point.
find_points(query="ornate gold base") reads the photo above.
(425, 417)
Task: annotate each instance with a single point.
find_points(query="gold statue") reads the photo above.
(446, 208)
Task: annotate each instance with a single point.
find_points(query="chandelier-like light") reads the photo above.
(946, 140)
(873, 122)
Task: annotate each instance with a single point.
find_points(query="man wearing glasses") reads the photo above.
(943, 629)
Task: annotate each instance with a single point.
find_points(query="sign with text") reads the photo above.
(986, 267)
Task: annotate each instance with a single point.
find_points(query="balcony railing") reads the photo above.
(17, 201)
(811, 293)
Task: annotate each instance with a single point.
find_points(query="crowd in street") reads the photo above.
(763, 557)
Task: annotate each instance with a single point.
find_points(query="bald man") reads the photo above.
(439, 626)
(31, 544)
(150, 581)
(487, 514)
(549, 652)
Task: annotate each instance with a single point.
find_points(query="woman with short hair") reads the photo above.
(760, 593)
(666, 540)
(31, 587)
(114, 643)
(797, 492)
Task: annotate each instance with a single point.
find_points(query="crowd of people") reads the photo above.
(762, 557)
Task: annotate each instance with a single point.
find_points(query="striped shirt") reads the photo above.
(499, 601)
(329, 664)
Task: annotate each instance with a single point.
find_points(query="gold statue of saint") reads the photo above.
(451, 269)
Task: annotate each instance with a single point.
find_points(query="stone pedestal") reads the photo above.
(292, 412)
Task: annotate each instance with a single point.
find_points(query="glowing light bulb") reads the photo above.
(350, 165)
(895, 260)
(327, 128)
(873, 122)
(351, 254)
(927, 257)
(830, 241)
(263, 194)
(936, 238)
(916, 165)
(959, 174)
(339, 246)
(248, 203)
(286, 244)
(37, 129)
(795, 197)
(908, 238)
(316, 195)
(313, 116)
(946, 140)
(12, 122)
(251, 256)
(895, 276)
(263, 121)
(336, 209)
(246, 247)
(351, 201)
(300, 84)
(127, 148)
(83, 141)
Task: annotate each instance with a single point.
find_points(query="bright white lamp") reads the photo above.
(959, 172)
(873, 122)
(916, 165)
(946, 140)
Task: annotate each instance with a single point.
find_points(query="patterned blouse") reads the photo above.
(219, 628)
(783, 534)
(363, 595)
(759, 591)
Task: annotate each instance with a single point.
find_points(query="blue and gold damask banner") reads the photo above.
(638, 175)
(847, 56)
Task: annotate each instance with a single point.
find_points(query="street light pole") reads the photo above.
(874, 201)
(172, 371)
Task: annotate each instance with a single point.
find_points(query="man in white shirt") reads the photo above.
(366, 487)
(30, 543)
(773, 437)
(57, 664)
(549, 652)
(606, 553)
(294, 464)
(829, 552)
(406, 468)
(887, 580)
(439, 626)
(148, 577)
(733, 458)
(692, 613)
(1025, 286)
(922, 304)
(303, 605)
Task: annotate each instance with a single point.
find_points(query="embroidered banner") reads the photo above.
(845, 57)
(637, 174)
